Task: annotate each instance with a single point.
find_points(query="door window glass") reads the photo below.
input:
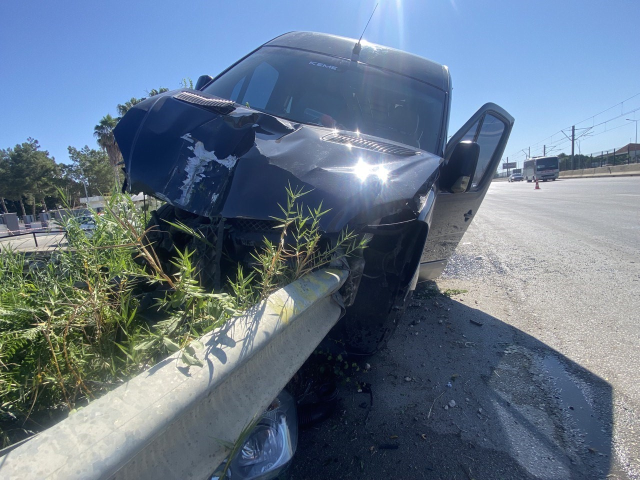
(470, 136)
(488, 140)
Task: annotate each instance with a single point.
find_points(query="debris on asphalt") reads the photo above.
(407, 379)
(367, 366)
(476, 322)
(432, 404)
(452, 403)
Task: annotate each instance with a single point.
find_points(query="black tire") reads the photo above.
(371, 320)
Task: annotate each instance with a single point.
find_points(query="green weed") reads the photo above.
(450, 292)
(95, 314)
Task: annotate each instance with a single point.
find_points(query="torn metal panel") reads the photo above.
(239, 165)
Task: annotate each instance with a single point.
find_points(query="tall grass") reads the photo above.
(89, 317)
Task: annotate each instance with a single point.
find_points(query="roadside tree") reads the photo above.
(90, 168)
(29, 174)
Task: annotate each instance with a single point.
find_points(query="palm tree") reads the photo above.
(153, 92)
(126, 106)
(104, 134)
(104, 130)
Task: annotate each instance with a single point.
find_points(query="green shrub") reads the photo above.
(91, 316)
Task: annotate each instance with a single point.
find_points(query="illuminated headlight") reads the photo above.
(363, 171)
(270, 446)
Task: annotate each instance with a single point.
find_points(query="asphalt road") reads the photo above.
(529, 368)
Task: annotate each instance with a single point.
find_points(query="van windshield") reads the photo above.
(320, 90)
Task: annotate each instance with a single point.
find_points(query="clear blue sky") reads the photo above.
(550, 63)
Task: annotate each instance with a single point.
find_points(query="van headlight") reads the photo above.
(270, 446)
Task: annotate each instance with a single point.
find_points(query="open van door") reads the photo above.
(471, 158)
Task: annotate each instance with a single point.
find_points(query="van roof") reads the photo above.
(375, 55)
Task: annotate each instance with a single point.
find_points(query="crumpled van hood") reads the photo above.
(185, 148)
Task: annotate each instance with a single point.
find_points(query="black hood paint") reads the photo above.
(239, 164)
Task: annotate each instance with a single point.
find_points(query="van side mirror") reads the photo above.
(457, 173)
(202, 81)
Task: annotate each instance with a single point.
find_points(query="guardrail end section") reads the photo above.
(298, 296)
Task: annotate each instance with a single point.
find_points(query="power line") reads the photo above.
(588, 131)
(517, 152)
(610, 108)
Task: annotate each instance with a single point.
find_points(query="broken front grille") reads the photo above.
(256, 226)
(373, 145)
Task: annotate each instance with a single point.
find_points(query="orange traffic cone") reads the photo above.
(537, 185)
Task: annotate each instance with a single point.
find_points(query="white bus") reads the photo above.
(541, 168)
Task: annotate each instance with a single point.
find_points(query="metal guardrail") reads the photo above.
(173, 422)
(13, 234)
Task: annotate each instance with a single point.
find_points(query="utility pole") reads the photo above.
(544, 150)
(635, 147)
(573, 141)
(84, 183)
